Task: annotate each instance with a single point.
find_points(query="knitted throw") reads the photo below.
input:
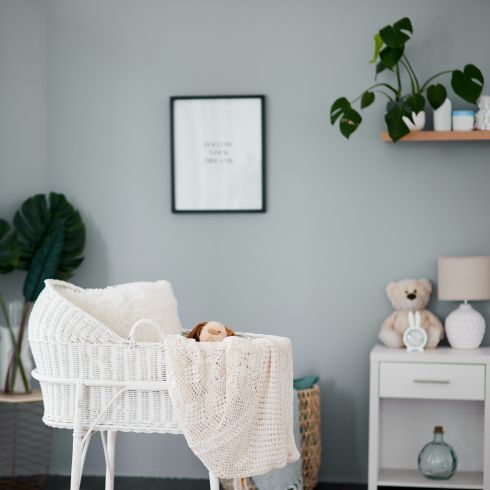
(234, 402)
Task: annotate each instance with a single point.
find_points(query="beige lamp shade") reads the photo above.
(464, 278)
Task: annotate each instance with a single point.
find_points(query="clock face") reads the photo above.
(415, 338)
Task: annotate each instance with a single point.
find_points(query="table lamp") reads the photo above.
(464, 279)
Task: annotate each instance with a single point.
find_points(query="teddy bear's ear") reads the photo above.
(390, 289)
(426, 284)
(391, 292)
(196, 331)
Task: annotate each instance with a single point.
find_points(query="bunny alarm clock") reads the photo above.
(415, 337)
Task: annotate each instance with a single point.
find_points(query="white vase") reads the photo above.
(6, 351)
(418, 121)
(442, 116)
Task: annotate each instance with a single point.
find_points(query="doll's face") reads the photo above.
(213, 332)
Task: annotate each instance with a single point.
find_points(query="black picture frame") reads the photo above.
(260, 172)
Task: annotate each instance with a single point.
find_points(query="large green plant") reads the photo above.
(51, 237)
(389, 57)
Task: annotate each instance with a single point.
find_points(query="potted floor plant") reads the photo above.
(404, 109)
(46, 242)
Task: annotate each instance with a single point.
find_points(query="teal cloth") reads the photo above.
(306, 382)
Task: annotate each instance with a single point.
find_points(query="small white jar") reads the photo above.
(463, 120)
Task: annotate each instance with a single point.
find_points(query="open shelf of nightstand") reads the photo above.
(413, 479)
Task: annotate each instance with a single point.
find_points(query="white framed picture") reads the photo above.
(218, 154)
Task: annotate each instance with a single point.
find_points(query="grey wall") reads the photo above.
(343, 218)
(22, 109)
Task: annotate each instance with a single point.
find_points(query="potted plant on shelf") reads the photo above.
(404, 111)
(47, 243)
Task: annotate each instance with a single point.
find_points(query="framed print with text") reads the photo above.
(218, 154)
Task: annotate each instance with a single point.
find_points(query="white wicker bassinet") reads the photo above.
(93, 379)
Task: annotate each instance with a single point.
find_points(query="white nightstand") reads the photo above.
(410, 393)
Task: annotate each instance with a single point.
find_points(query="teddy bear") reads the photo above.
(405, 296)
(210, 332)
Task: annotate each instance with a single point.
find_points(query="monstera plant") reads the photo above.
(50, 237)
(390, 59)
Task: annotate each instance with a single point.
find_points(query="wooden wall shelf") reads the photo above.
(422, 136)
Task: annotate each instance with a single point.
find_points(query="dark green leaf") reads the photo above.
(9, 248)
(416, 103)
(378, 44)
(38, 218)
(390, 37)
(398, 34)
(394, 122)
(339, 107)
(367, 99)
(468, 84)
(349, 122)
(44, 264)
(437, 95)
(404, 25)
(390, 57)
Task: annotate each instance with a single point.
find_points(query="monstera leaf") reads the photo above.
(393, 37)
(9, 248)
(51, 236)
(468, 83)
(349, 117)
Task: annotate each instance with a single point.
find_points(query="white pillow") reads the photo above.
(119, 307)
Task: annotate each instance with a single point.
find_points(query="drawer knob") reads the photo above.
(432, 381)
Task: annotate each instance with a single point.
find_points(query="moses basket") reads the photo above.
(95, 376)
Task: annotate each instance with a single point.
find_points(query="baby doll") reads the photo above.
(210, 332)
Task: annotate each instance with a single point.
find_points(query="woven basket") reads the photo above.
(311, 438)
(310, 432)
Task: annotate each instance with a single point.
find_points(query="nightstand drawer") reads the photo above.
(432, 380)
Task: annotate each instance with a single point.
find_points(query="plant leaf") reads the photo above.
(44, 264)
(394, 123)
(468, 84)
(349, 122)
(436, 94)
(390, 37)
(404, 26)
(38, 217)
(338, 108)
(390, 57)
(398, 34)
(378, 44)
(367, 99)
(9, 248)
(415, 103)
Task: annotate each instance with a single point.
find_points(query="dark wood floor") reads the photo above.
(97, 483)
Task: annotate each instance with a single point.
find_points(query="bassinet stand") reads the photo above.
(81, 437)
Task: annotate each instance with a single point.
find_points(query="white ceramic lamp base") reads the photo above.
(465, 327)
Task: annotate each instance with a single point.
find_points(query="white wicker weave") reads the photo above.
(94, 380)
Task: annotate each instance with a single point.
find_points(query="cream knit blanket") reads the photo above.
(234, 402)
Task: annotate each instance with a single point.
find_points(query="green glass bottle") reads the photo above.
(437, 460)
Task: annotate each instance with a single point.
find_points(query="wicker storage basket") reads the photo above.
(311, 437)
(310, 432)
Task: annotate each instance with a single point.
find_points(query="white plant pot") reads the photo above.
(6, 350)
(465, 328)
(418, 121)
